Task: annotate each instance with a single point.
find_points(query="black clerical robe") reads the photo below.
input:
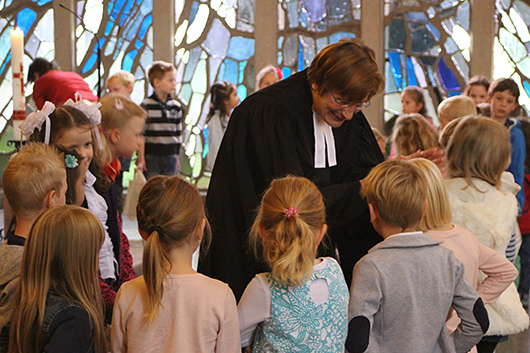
(271, 135)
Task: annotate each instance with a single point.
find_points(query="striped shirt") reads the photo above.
(163, 125)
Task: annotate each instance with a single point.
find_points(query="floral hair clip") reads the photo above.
(292, 211)
(36, 119)
(118, 104)
(70, 161)
(91, 111)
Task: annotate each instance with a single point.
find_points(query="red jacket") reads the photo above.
(58, 86)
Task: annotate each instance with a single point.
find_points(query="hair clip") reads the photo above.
(70, 161)
(36, 119)
(292, 211)
(91, 111)
(157, 229)
(118, 104)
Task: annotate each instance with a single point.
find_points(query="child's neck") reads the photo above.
(161, 95)
(387, 231)
(501, 120)
(180, 258)
(444, 228)
(24, 226)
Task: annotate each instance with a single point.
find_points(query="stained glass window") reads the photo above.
(307, 26)
(512, 44)
(427, 44)
(213, 42)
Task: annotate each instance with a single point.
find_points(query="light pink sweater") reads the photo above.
(475, 256)
(198, 314)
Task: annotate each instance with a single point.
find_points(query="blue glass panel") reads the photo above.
(300, 57)
(231, 71)
(335, 37)
(390, 85)
(462, 15)
(242, 66)
(526, 86)
(101, 42)
(128, 7)
(286, 72)
(434, 31)
(427, 60)
(145, 26)
(194, 9)
(449, 80)
(25, 19)
(411, 74)
(431, 76)
(128, 60)
(116, 9)
(395, 62)
(90, 63)
(8, 59)
(242, 92)
(454, 93)
(338, 8)
(43, 2)
(416, 17)
(303, 19)
(139, 44)
(241, 48)
(109, 27)
(397, 34)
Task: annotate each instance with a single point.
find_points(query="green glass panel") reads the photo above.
(512, 45)
(190, 148)
(520, 25)
(502, 66)
(524, 66)
(198, 82)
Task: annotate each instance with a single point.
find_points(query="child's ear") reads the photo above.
(261, 230)
(200, 230)
(373, 213)
(114, 136)
(49, 199)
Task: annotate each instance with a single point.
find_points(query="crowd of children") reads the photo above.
(441, 280)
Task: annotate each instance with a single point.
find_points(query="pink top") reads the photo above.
(475, 256)
(198, 314)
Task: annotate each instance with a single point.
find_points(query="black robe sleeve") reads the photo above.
(270, 135)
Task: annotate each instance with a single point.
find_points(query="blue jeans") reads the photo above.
(160, 165)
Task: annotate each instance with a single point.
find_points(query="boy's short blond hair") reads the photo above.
(31, 174)
(456, 107)
(397, 190)
(123, 77)
(157, 70)
(479, 148)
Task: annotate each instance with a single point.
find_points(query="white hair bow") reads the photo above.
(91, 110)
(36, 119)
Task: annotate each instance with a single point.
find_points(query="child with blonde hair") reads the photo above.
(290, 225)
(455, 107)
(34, 179)
(448, 131)
(195, 313)
(59, 307)
(121, 82)
(477, 154)
(403, 289)
(413, 133)
(122, 122)
(487, 270)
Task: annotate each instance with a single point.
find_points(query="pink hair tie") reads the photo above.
(292, 211)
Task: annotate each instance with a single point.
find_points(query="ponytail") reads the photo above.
(153, 268)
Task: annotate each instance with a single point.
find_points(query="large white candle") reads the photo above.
(17, 67)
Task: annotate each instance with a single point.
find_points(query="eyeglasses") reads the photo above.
(344, 104)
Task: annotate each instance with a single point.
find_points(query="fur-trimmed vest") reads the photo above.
(491, 215)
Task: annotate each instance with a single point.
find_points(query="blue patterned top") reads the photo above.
(297, 324)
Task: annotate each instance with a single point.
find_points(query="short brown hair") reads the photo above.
(347, 68)
(504, 84)
(448, 131)
(397, 190)
(479, 148)
(413, 132)
(157, 70)
(31, 174)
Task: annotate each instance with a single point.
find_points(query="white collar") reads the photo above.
(324, 138)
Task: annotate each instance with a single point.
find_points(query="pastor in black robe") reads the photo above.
(271, 135)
